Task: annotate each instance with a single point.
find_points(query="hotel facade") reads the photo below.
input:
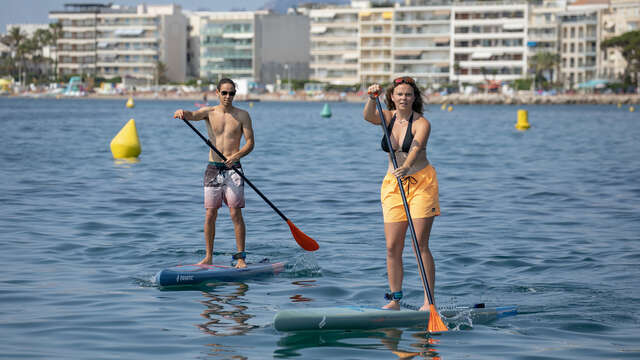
(439, 43)
(112, 41)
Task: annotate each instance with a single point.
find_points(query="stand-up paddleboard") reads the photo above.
(193, 275)
(357, 318)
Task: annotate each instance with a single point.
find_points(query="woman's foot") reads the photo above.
(424, 307)
(392, 305)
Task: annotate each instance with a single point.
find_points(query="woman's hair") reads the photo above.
(226, 81)
(418, 103)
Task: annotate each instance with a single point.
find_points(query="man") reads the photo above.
(226, 124)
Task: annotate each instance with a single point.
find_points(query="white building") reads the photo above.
(335, 44)
(254, 45)
(622, 16)
(488, 42)
(128, 42)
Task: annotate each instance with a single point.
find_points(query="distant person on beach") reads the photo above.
(409, 132)
(226, 124)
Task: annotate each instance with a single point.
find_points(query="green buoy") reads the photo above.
(326, 111)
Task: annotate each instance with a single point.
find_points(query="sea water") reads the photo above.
(547, 219)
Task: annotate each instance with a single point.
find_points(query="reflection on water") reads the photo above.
(304, 284)
(224, 316)
(390, 339)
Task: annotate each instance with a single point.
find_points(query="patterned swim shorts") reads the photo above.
(222, 184)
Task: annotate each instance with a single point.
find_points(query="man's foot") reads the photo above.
(392, 305)
(205, 261)
(424, 307)
(241, 264)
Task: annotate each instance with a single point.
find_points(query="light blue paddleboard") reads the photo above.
(194, 275)
(357, 317)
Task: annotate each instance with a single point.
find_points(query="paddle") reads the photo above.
(301, 238)
(435, 322)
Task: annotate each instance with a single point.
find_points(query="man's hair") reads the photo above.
(226, 81)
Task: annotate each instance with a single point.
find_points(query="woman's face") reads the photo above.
(403, 96)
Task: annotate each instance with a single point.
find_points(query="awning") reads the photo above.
(350, 56)
(324, 14)
(128, 32)
(318, 29)
(407, 52)
(513, 26)
(387, 15)
(481, 55)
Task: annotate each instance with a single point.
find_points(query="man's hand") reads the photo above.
(179, 114)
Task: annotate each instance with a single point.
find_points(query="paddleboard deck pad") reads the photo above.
(356, 317)
(195, 275)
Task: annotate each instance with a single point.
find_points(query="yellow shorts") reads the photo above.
(421, 190)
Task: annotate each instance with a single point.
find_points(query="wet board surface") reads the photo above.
(357, 317)
(183, 275)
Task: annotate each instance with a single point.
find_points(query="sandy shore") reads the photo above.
(453, 99)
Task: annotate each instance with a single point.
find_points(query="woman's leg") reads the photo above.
(423, 231)
(394, 234)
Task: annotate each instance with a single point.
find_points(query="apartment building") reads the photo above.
(488, 42)
(254, 45)
(117, 41)
(622, 16)
(544, 30)
(375, 30)
(422, 44)
(580, 41)
(334, 46)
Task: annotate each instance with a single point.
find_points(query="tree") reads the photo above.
(56, 32)
(629, 44)
(14, 39)
(544, 61)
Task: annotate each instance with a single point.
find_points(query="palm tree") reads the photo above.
(14, 38)
(56, 32)
(544, 61)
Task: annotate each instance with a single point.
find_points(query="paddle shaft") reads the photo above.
(237, 171)
(416, 247)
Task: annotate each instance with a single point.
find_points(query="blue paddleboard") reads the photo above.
(358, 317)
(183, 275)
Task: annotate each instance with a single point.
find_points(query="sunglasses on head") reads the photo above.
(404, 80)
(225, 93)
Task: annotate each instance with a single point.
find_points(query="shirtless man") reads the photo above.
(226, 124)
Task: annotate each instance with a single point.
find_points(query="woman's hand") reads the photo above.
(401, 171)
(374, 91)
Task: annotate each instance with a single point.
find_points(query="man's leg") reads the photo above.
(209, 234)
(240, 230)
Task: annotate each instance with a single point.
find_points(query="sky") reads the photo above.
(37, 11)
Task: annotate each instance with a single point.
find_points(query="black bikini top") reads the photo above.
(408, 137)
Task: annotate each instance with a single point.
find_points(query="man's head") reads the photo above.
(226, 90)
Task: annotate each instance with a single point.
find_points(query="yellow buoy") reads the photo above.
(130, 103)
(450, 108)
(632, 109)
(619, 105)
(250, 103)
(523, 122)
(126, 143)
(444, 106)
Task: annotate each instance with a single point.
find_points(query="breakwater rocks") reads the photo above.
(530, 98)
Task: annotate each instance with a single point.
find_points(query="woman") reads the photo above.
(409, 133)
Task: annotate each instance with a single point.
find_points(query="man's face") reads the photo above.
(226, 93)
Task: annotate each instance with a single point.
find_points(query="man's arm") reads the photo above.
(200, 114)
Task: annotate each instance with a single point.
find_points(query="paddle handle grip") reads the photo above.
(392, 156)
(237, 171)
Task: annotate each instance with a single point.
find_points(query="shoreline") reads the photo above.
(521, 98)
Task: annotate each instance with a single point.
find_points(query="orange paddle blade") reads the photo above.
(302, 239)
(435, 322)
